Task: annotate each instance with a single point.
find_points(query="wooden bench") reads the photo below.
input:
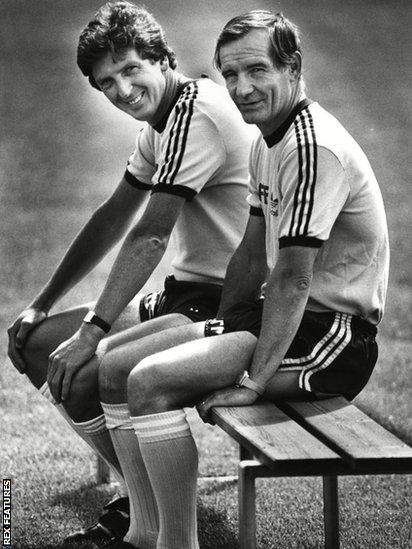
(326, 438)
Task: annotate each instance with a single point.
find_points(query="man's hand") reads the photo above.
(226, 397)
(69, 357)
(18, 333)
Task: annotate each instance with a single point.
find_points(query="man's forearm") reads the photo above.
(93, 242)
(137, 259)
(243, 281)
(285, 302)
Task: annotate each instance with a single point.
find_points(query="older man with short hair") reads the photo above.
(316, 241)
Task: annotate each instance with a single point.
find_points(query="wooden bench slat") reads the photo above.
(276, 440)
(362, 442)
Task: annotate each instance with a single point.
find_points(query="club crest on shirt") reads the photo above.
(264, 197)
(274, 206)
(263, 192)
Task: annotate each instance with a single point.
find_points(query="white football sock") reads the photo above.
(171, 459)
(144, 523)
(99, 441)
(100, 437)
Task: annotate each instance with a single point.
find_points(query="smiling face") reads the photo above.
(133, 84)
(263, 93)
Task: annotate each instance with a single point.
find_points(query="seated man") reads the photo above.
(316, 236)
(190, 161)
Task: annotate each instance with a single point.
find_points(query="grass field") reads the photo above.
(62, 149)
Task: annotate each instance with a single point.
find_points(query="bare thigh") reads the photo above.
(48, 335)
(120, 359)
(182, 375)
(141, 330)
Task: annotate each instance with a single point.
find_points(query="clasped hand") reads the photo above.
(232, 396)
(19, 331)
(67, 359)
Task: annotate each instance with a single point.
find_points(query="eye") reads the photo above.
(228, 75)
(128, 71)
(257, 70)
(105, 85)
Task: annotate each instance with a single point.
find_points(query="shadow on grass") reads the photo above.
(72, 510)
(215, 529)
(86, 503)
(85, 500)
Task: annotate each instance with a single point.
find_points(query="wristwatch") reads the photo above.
(245, 381)
(92, 318)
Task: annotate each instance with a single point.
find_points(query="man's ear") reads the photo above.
(164, 64)
(295, 67)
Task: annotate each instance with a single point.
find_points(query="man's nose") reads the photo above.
(243, 86)
(124, 88)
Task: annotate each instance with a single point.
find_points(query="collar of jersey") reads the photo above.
(280, 132)
(161, 124)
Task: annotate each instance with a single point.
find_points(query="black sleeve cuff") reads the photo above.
(178, 190)
(134, 182)
(256, 211)
(307, 241)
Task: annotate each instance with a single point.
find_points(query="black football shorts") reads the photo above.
(334, 352)
(196, 300)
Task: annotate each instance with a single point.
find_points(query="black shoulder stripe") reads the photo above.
(306, 180)
(185, 131)
(178, 136)
(315, 172)
(134, 182)
(307, 173)
(300, 177)
(171, 139)
(184, 109)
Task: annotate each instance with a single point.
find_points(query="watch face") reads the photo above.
(88, 316)
(241, 379)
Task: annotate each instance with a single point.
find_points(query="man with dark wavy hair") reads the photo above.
(187, 174)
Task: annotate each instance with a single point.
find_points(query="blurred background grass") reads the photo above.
(62, 150)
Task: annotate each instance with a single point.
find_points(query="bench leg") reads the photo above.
(244, 454)
(247, 505)
(102, 471)
(331, 511)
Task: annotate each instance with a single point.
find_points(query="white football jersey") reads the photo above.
(315, 187)
(201, 154)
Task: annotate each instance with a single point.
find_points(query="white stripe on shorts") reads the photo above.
(324, 352)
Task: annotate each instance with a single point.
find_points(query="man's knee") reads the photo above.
(112, 380)
(36, 344)
(83, 400)
(47, 336)
(35, 355)
(147, 391)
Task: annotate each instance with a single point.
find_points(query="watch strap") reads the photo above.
(245, 381)
(92, 318)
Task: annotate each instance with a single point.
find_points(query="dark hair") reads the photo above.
(283, 35)
(116, 27)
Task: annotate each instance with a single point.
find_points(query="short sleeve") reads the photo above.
(191, 148)
(313, 191)
(142, 165)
